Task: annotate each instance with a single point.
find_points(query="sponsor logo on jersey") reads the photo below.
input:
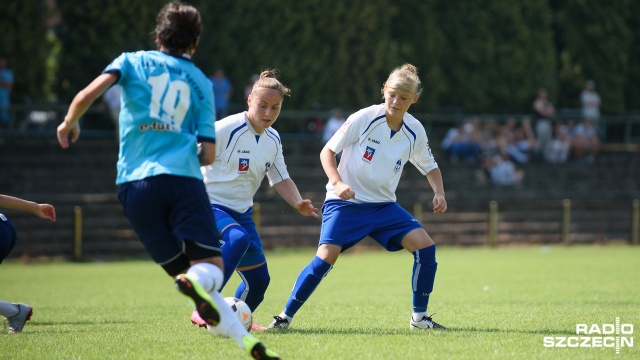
(240, 151)
(373, 141)
(368, 154)
(398, 166)
(156, 126)
(243, 166)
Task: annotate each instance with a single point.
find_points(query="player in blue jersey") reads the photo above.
(376, 143)
(17, 314)
(247, 149)
(167, 108)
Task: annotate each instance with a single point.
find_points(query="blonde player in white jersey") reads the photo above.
(376, 143)
(247, 149)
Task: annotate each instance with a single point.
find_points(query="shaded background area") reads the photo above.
(476, 60)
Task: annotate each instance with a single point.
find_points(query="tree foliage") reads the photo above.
(488, 57)
(24, 44)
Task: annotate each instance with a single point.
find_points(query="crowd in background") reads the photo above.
(498, 147)
(501, 148)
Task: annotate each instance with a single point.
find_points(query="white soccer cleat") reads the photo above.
(425, 323)
(279, 323)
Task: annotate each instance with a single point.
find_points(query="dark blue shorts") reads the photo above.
(225, 216)
(7, 237)
(172, 217)
(345, 223)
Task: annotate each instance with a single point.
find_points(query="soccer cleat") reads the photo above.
(204, 304)
(197, 320)
(17, 321)
(279, 323)
(257, 350)
(256, 327)
(425, 323)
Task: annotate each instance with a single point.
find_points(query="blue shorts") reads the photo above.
(7, 237)
(225, 217)
(346, 223)
(171, 216)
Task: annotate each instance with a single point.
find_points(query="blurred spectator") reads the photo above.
(518, 143)
(544, 112)
(222, 90)
(503, 171)
(333, 124)
(557, 152)
(111, 99)
(249, 87)
(462, 143)
(6, 84)
(590, 102)
(586, 143)
(313, 123)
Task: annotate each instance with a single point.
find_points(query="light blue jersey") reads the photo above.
(167, 107)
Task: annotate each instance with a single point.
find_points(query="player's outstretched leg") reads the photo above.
(203, 303)
(306, 283)
(16, 322)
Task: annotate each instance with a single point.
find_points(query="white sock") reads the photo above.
(418, 315)
(285, 316)
(8, 309)
(207, 275)
(229, 324)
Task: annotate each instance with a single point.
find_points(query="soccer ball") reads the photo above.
(242, 311)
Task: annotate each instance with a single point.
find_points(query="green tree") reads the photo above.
(594, 42)
(93, 34)
(24, 45)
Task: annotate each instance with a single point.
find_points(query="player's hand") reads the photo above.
(344, 191)
(439, 204)
(46, 211)
(306, 208)
(63, 133)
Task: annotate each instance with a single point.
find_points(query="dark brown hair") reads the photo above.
(178, 27)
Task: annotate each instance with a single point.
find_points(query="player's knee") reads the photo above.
(235, 236)
(426, 255)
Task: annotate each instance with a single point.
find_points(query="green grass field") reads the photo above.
(498, 303)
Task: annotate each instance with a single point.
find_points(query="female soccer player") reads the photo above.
(376, 142)
(17, 315)
(167, 107)
(247, 149)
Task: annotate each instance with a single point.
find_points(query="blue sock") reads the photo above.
(253, 286)
(424, 274)
(306, 283)
(236, 242)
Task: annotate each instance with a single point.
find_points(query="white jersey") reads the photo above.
(243, 158)
(372, 160)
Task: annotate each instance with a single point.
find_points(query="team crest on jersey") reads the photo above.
(243, 166)
(398, 166)
(368, 154)
(267, 166)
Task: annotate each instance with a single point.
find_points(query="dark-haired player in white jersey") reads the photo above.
(376, 143)
(247, 150)
(167, 108)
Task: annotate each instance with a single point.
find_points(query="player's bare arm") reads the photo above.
(330, 166)
(289, 192)
(435, 181)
